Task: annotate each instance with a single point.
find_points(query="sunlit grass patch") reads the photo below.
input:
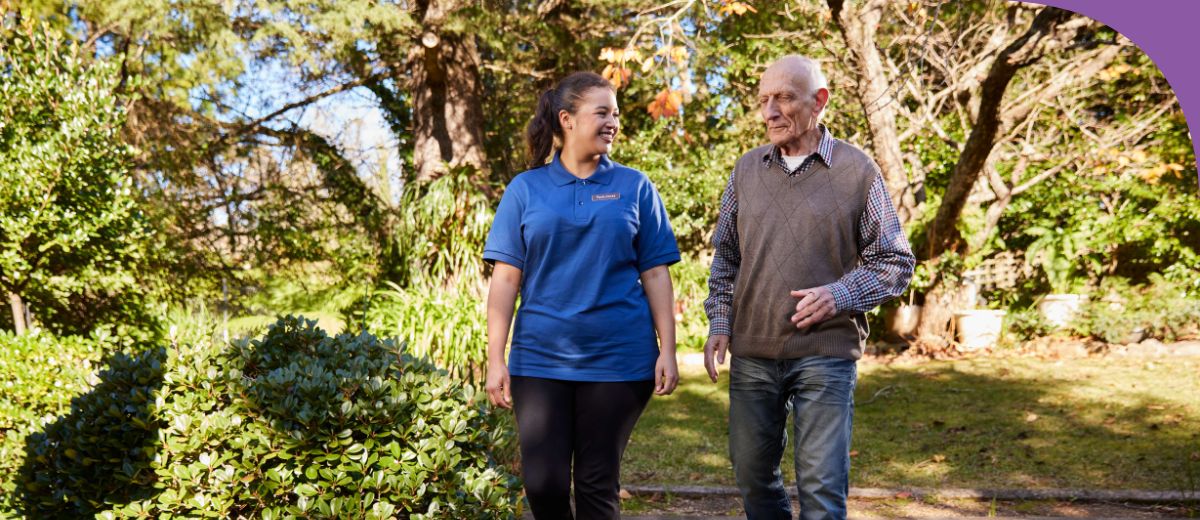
(989, 422)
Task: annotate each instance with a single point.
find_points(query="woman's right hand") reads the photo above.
(499, 387)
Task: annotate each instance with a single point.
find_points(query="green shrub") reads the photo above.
(294, 424)
(441, 230)
(690, 278)
(690, 179)
(448, 325)
(75, 243)
(39, 374)
(1027, 323)
(100, 453)
(1162, 309)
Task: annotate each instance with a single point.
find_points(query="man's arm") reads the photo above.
(887, 259)
(727, 258)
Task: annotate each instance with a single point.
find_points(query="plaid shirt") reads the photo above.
(886, 260)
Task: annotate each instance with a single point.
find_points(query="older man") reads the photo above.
(807, 241)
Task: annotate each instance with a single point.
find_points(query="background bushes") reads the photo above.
(1161, 309)
(294, 423)
(39, 374)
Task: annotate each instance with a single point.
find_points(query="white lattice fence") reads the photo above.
(1002, 271)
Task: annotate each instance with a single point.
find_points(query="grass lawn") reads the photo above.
(258, 323)
(989, 422)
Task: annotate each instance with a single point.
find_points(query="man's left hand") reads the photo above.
(815, 305)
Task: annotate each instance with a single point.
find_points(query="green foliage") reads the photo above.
(690, 281)
(305, 291)
(101, 451)
(1026, 323)
(443, 225)
(73, 241)
(1127, 207)
(690, 179)
(293, 424)
(1056, 252)
(446, 324)
(39, 374)
(1162, 309)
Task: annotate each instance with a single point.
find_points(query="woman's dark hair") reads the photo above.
(539, 135)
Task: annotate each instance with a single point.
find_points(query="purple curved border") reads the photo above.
(1161, 28)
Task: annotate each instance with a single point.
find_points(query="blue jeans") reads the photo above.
(819, 392)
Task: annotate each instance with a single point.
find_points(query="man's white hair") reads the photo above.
(810, 71)
(806, 71)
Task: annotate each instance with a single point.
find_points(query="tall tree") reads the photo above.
(446, 93)
(73, 241)
(1051, 30)
(877, 96)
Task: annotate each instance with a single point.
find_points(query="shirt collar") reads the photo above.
(562, 177)
(824, 149)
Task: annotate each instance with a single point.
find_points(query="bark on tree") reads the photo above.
(446, 96)
(943, 233)
(18, 312)
(936, 323)
(876, 95)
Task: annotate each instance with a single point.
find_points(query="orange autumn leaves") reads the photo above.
(668, 102)
(616, 72)
(668, 60)
(738, 8)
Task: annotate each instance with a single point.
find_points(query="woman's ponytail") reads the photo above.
(539, 135)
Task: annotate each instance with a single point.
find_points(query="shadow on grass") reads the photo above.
(683, 438)
(991, 423)
(99, 454)
(939, 426)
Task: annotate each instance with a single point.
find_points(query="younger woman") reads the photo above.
(586, 243)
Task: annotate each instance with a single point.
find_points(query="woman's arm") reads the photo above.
(502, 297)
(661, 296)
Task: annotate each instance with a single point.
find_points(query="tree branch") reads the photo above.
(256, 124)
(943, 234)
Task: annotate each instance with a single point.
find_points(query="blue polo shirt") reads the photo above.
(581, 245)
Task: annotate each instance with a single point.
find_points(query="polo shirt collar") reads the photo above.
(562, 177)
(824, 149)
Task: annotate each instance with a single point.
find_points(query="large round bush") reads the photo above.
(293, 424)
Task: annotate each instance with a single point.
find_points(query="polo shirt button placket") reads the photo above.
(579, 200)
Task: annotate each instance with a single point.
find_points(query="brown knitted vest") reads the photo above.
(795, 233)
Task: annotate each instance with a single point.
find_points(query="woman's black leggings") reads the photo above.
(591, 422)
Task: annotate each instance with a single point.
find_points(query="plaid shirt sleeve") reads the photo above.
(887, 260)
(726, 260)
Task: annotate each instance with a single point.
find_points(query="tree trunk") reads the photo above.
(934, 333)
(446, 97)
(876, 96)
(18, 312)
(936, 326)
(943, 234)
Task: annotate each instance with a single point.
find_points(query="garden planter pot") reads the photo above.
(1060, 309)
(978, 328)
(902, 321)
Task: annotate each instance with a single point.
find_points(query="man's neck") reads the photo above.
(805, 145)
(581, 166)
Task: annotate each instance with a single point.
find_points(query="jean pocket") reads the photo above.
(828, 381)
(751, 374)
